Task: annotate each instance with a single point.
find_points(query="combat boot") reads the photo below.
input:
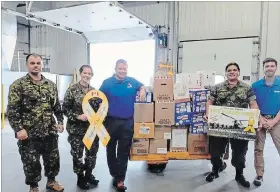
(34, 189)
(211, 176)
(82, 182)
(54, 186)
(119, 186)
(241, 179)
(91, 179)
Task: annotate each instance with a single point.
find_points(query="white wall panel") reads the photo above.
(211, 20)
(66, 50)
(153, 14)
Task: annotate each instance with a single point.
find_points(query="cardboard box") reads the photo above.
(183, 113)
(158, 146)
(162, 132)
(181, 92)
(179, 140)
(148, 97)
(199, 95)
(144, 130)
(164, 113)
(199, 128)
(231, 122)
(144, 112)
(140, 146)
(191, 80)
(163, 89)
(199, 107)
(197, 118)
(198, 144)
(207, 78)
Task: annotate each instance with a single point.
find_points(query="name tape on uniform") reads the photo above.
(96, 119)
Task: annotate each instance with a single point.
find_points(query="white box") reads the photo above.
(191, 80)
(207, 78)
(181, 91)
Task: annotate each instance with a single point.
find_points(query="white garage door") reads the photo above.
(216, 54)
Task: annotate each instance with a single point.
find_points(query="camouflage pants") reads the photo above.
(30, 151)
(77, 151)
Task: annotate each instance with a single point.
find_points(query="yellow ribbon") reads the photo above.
(96, 119)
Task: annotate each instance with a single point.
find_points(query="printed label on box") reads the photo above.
(161, 150)
(167, 136)
(144, 130)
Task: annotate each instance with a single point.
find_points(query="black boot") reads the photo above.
(224, 166)
(91, 179)
(119, 186)
(241, 179)
(82, 182)
(212, 175)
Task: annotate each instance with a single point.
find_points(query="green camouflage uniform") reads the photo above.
(72, 108)
(31, 107)
(239, 96)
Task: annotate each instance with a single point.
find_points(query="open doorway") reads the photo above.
(140, 56)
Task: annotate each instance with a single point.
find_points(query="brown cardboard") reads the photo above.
(158, 146)
(198, 144)
(163, 89)
(144, 130)
(144, 112)
(179, 140)
(140, 146)
(164, 113)
(162, 132)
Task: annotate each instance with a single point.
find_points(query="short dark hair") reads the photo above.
(269, 59)
(85, 66)
(121, 61)
(232, 63)
(34, 55)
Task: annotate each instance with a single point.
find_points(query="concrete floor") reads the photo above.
(179, 176)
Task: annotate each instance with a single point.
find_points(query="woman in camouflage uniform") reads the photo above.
(77, 125)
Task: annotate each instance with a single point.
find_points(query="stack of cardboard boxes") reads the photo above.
(172, 118)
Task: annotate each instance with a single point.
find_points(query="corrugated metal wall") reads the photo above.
(66, 51)
(154, 14)
(211, 20)
(22, 45)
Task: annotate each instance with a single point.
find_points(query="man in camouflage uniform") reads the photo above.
(77, 125)
(230, 93)
(32, 101)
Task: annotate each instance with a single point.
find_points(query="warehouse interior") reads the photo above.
(190, 36)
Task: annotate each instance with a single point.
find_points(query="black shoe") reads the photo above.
(211, 176)
(119, 186)
(92, 180)
(82, 182)
(258, 181)
(242, 181)
(224, 166)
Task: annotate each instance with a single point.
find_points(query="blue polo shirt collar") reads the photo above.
(119, 81)
(275, 82)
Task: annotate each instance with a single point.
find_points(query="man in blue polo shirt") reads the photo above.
(120, 91)
(267, 91)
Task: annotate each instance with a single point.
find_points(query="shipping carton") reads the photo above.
(199, 128)
(143, 112)
(207, 78)
(162, 132)
(231, 122)
(163, 89)
(144, 130)
(179, 140)
(197, 118)
(199, 95)
(183, 113)
(140, 146)
(198, 144)
(181, 92)
(191, 80)
(148, 97)
(199, 107)
(158, 146)
(164, 113)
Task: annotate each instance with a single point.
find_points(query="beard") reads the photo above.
(34, 73)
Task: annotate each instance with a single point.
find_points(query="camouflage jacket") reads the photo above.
(31, 107)
(238, 96)
(72, 108)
